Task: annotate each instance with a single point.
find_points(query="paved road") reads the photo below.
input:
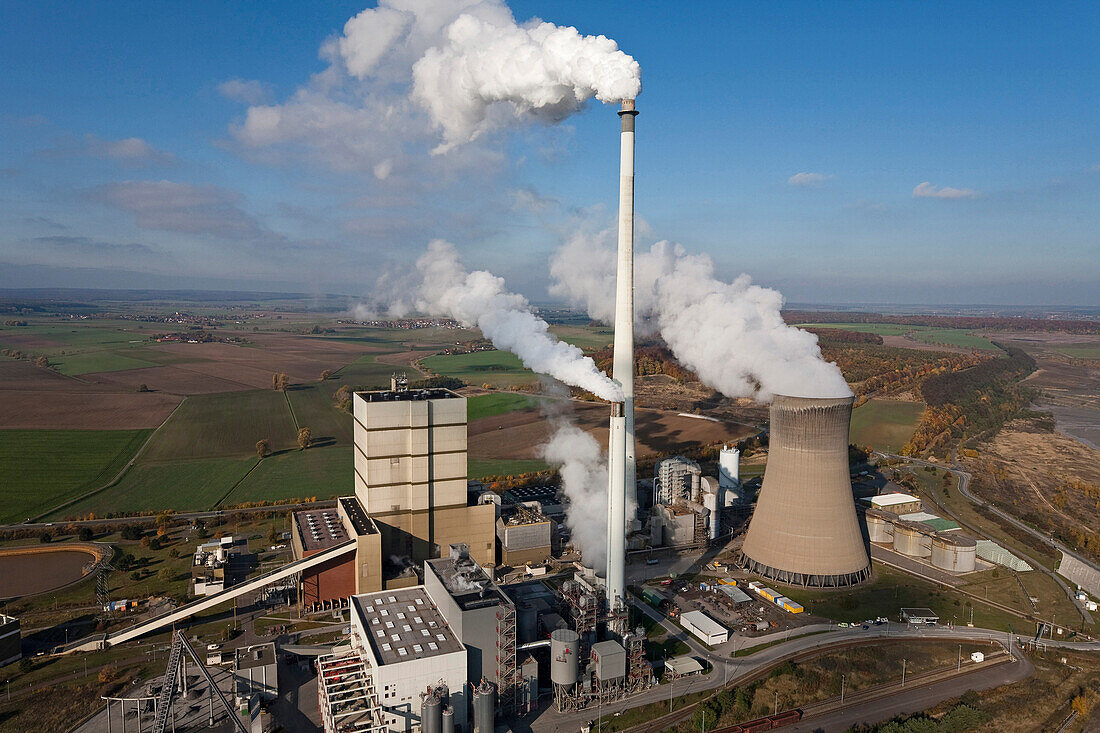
(734, 671)
(149, 519)
(916, 699)
(964, 489)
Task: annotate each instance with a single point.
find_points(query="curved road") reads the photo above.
(964, 489)
(727, 670)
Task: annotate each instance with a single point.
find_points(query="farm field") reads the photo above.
(500, 403)
(224, 425)
(312, 407)
(322, 472)
(498, 368)
(93, 410)
(518, 435)
(585, 337)
(958, 337)
(481, 468)
(43, 468)
(885, 424)
(182, 485)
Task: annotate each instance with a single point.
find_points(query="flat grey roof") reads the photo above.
(320, 529)
(410, 395)
(260, 655)
(468, 583)
(404, 624)
(360, 522)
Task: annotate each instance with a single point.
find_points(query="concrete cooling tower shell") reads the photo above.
(954, 553)
(804, 530)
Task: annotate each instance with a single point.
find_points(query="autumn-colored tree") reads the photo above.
(342, 398)
(275, 380)
(42, 362)
(263, 448)
(326, 375)
(284, 382)
(305, 438)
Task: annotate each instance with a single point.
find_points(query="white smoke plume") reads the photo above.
(729, 333)
(407, 73)
(540, 70)
(479, 299)
(583, 468)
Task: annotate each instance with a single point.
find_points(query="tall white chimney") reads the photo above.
(616, 510)
(622, 477)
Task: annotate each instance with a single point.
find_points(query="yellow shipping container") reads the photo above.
(793, 607)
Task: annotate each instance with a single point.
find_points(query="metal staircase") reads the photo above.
(168, 686)
(163, 705)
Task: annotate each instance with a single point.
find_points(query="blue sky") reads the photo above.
(125, 161)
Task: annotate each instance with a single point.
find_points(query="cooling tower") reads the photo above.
(804, 530)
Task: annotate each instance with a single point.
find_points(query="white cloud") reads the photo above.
(130, 151)
(809, 180)
(927, 191)
(248, 91)
(180, 207)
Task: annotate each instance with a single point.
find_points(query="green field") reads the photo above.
(298, 474)
(885, 424)
(312, 407)
(498, 368)
(479, 468)
(366, 372)
(182, 485)
(1079, 351)
(960, 337)
(43, 468)
(224, 425)
(586, 337)
(501, 403)
(891, 590)
(82, 347)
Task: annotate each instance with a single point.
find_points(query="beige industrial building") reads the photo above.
(804, 530)
(410, 474)
(525, 535)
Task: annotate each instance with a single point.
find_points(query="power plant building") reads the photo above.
(525, 535)
(401, 645)
(481, 616)
(410, 473)
(704, 627)
(675, 480)
(804, 530)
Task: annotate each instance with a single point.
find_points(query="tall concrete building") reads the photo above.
(804, 530)
(410, 474)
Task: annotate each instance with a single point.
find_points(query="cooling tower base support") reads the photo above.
(804, 580)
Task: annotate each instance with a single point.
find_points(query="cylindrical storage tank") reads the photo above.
(485, 704)
(448, 719)
(954, 553)
(563, 657)
(710, 501)
(431, 710)
(729, 469)
(913, 539)
(880, 529)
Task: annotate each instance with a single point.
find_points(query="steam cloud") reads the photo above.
(583, 469)
(479, 299)
(730, 333)
(539, 69)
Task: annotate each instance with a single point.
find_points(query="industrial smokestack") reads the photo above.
(804, 530)
(616, 509)
(621, 450)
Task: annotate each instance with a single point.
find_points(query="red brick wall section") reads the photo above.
(331, 580)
